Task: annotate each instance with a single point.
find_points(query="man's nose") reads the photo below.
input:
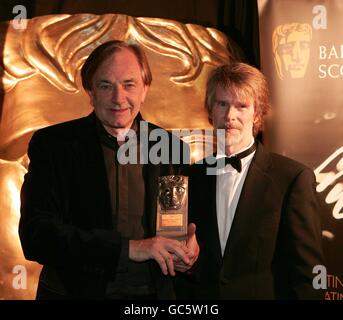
(231, 113)
(118, 95)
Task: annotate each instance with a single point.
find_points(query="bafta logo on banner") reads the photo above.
(291, 49)
(172, 207)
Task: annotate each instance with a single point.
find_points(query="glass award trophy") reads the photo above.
(172, 207)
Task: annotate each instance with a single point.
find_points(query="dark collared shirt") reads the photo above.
(127, 192)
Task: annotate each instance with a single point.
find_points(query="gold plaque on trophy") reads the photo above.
(172, 207)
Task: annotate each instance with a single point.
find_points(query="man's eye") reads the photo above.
(129, 85)
(222, 104)
(105, 86)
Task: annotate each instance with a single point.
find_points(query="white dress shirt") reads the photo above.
(228, 190)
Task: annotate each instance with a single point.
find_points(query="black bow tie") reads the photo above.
(235, 161)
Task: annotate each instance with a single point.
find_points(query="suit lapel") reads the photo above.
(214, 242)
(250, 202)
(91, 169)
(203, 208)
(151, 174)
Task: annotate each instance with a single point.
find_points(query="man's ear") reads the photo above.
(91, 96)
(256, 124)
(210, 119)
(210, 116)
(145, 91)
(256, 119)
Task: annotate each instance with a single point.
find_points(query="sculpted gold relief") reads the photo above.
(291, 49)
(41, 86)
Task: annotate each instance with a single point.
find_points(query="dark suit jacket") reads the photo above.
(66, 218)
(274, 241)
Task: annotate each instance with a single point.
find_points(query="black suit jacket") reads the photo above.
(66, 219)
(274, 241)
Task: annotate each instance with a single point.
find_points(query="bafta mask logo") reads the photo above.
(291, 49)
(172, 192)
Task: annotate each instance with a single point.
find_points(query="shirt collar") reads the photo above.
(221, 150)
(245, 161)
(110, 141)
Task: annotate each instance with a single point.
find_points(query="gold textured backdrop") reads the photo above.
(41, 86)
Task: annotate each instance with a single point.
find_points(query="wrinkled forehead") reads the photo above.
(238, 93)
(122, 60)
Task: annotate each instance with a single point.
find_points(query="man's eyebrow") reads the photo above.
(130, 80)
(104, 81)
(109, 82)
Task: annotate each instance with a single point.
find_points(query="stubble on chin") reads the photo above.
(232, 140)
